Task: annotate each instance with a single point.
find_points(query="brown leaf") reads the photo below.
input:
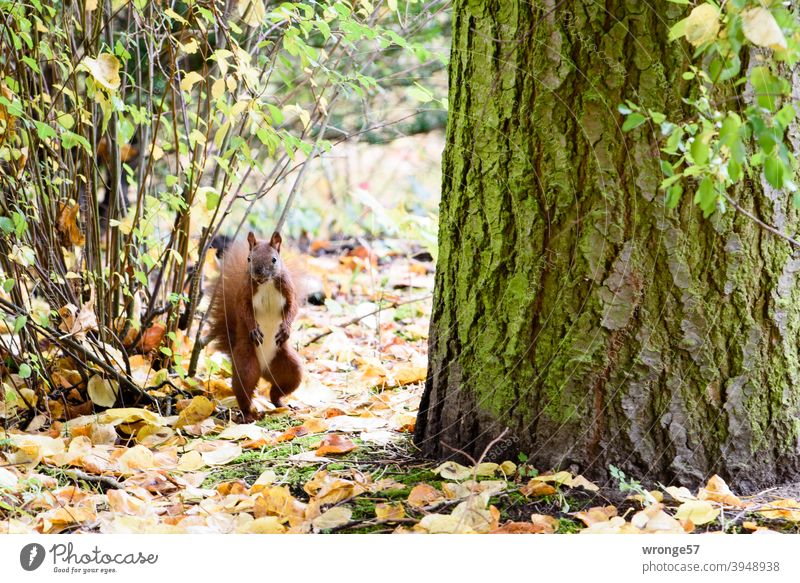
(152, 337)
(67, 225)
(424, 495)
(596, 514)
(535, 489)
(292, 432)
(335, 444)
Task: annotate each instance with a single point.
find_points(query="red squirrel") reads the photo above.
(253, 306)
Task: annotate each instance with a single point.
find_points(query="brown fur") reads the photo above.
(233, 327)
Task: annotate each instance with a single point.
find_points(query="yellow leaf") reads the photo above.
(562, 477)
(251, 11)
(785, 508)
(336, 516)
(264, 481)
(508, 468)
(104, 69)
(102, 392)
(218, 88)
(129, 415)
(199, 409)
(717, 490)
(761, 29)
(596, 514)
(90, 6)
(584, 483)
(190, 79)
(698, 511)
(702, 24)
(389, 511)
(263, 525)
(191, 461)
(191, 47)
(136, 458)
(224, 454)
(453, 471)
(680, 494)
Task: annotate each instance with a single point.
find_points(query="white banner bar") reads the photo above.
(399, 558)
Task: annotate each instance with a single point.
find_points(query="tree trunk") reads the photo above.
(571, 307)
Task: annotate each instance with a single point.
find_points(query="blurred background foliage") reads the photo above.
(133, 133)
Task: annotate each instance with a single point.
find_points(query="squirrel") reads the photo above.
(253, 305)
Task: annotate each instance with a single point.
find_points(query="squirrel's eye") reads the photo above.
(274, 259)
(248, 260)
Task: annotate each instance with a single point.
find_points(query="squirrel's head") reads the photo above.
(264, 259)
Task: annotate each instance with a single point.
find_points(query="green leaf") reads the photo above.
(24, 371)
(44, 131)
(774, 171)
(674, 195)
(633, 121)
(419, 93)
(678, 29)
(19, 323)
(212, 199)
(71, 139)
(699, 149)
(785, 116)
(706, 197)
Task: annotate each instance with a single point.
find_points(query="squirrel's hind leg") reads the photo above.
(245, 378)
(284, 373)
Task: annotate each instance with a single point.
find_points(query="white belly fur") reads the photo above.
(268, 305)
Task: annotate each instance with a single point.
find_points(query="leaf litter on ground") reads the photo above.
(339, 459)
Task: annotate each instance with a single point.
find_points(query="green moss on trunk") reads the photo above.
(571, 307)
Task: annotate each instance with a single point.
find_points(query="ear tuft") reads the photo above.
(251, 240)
(276, 240)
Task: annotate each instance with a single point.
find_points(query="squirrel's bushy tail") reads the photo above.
(223, 311)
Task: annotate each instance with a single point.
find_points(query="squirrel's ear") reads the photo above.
(251, 239)
(276, 240)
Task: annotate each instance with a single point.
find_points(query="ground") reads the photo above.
(339, 457)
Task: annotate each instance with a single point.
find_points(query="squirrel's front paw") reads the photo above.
(256, 335)
(282, 335)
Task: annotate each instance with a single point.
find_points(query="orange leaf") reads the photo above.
(424, 495)
(534, 489)
(335, 444)
(292, 432)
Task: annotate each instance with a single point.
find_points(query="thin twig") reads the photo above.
(359, 318)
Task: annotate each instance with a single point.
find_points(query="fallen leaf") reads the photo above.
(785, 508)
(698, 511)
(335, 444)
(424, 495)
(596, 514)
(535, 489)
(199, 409)
(385, 511)
(102, 392)
(333, 517)
(262, 525)
(223, 454)
(453, 471)
(717, 490)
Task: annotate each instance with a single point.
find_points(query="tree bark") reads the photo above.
(571, 306)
